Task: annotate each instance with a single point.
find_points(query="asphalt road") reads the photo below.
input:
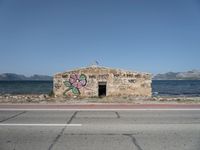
(100, 130)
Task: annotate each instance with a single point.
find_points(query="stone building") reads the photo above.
(95, 81)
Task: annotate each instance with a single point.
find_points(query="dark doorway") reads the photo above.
(102, 89)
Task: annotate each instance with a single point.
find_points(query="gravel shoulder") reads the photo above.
(46, 99)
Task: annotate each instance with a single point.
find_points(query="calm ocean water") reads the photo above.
(159, 87)
(26, 87)
(176, 87)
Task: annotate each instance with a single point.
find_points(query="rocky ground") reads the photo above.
(44, 98)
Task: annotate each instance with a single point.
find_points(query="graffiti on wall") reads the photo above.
(75, 83)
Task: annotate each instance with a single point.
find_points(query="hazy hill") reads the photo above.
(189, 75)
(16, 77)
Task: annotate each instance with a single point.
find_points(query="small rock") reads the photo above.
(42, 96)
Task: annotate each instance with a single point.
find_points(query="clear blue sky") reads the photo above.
(49, 36)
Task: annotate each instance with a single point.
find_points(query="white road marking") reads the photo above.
(40, 125)
(136, 109)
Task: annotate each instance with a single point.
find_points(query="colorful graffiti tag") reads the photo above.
(75, 83)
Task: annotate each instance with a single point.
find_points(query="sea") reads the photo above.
(159, 87)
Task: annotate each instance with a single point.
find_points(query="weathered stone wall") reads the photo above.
(84, 82)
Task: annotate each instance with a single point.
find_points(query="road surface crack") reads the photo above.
(72, 117)
(118, 116)
(14, 116)
(88, 134)
(61, 132)
(134, 141)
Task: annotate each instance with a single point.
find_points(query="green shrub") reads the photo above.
(51, 94)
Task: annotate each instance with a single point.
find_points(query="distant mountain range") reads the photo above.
(189, 75)
(17, 77)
